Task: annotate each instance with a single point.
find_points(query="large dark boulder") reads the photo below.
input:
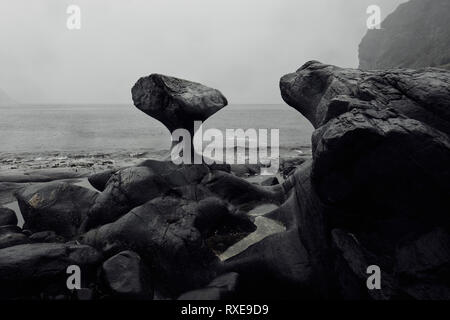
(27, 269)
(419, 269)
(99, 180)
(379, 182)
(380, 140)
(240, 192)
(126, 189)
(11, 235)
(304, 212)
(45, 237)
(288, 166)
(126, 276)
(223, 287)
(351, 264)
(169, 234)
(271, 181)
(423, 265)
(397, 165)
(278, 267)
(415, 35)
(7, 217)
(322, 92)
(131, 187)
(175, 102)
(56, 206)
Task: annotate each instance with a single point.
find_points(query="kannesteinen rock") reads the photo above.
(175, 102)
(415, 35)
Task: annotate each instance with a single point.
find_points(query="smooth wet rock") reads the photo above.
(380, 172)
(322, 92)
(175, 102)
(30, 268)
(239, 191)
(126, 189)
(85, 294)
(304, 212)
(426, 258)
(131, 187)
(99, 180)
(222, 288)
(11, 235)
(12, 228)
(271, 181)
(351, 267)
(56, 206)
(164, 232)
(288, 166)
(220, 226)
(126, 276)
(399, 166)
(7, 217)
(46, 236)
(245, 170)
(277, 267)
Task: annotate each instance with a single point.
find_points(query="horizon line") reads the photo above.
(115, 103)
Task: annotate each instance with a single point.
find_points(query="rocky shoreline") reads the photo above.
(376, 192)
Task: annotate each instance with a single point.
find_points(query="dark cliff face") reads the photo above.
(415, 35)
(5, 99)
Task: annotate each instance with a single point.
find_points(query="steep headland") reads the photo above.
(415, 35)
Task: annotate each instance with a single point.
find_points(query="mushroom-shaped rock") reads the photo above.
(175, 102)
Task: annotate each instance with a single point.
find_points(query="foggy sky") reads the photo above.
(241, 47)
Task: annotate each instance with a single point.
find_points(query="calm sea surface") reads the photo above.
(122, 128)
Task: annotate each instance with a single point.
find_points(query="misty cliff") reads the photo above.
(5, 99)
(415, 35)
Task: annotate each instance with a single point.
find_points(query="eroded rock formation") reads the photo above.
(379, 182)
(322, 92)
(177, 103)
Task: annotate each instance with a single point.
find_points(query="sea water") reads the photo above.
(58, 132)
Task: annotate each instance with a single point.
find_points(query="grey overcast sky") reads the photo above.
(241, 47)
